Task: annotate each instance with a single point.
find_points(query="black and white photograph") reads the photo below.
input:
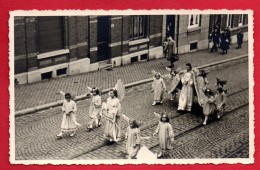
(131, 87)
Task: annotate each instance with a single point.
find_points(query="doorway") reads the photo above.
(103, 38)
(170, 26)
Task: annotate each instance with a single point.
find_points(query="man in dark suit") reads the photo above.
(215, 39)
(240, 37)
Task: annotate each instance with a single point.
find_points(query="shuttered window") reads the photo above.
(50, 34)
(137, 27)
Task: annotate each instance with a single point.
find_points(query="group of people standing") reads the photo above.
(192, 86)
(223, 40)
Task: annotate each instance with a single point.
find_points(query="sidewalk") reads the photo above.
(35, 94)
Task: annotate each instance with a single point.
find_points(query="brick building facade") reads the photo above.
(53, 46)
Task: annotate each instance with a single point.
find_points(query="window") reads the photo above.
(137, 27)
(46, 76)
(194, 20)
(134, 60)
(50, 35)
(231, 21)
(62, 71)
(245, 19)
(144, 57)
(193, 46)
(240, 20)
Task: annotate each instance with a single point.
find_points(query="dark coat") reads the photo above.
(240, 37)
(224, 45)
(215, 37)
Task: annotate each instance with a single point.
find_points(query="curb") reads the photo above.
(208, 68)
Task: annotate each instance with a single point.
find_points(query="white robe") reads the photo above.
(186, 95)
(69, 122)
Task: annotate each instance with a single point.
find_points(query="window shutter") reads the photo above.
(131, 27)
(200, 16)
(245, 21)
(50, 31)
(235, 20)
(223, 22)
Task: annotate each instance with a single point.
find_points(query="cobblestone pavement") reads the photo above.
(35, 134)
(30, 95)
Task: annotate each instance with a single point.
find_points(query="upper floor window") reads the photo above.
(194, 20)
(230, 21)
(50, 35)
(137, 26)
(242, 19)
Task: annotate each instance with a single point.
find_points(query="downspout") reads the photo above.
(122, 39)
(26, 50)
(178, 25)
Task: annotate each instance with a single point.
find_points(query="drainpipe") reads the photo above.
(177, 41)
(122, 39)
(26, 50)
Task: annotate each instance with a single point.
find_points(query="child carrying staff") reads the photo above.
(165, 134)
(95, 109)
(69, 123)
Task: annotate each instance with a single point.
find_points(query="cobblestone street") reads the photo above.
(35, 133)
(30, 95)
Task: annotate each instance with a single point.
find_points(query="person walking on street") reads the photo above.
(171, 51)
(158, 87)
(209, 105)
(187, 93)
(112, 112)
(95, 109)
(165, 135)
(165, 47)
(69, 123)
(228, 35)
(133, 137)
(224, 45)
(240, 37)
(215, 39)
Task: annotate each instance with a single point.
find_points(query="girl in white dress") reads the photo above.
(112, 113)
(95, 109)
(158, 87)
(69, 123)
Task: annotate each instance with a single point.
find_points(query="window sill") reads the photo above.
(193, 30)
(52, 53)
(139, 41)
(239, 27)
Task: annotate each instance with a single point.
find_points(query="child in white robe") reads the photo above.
(158, 87)
(221, 100)
(69, 123)
(209, 105)
(133, 139)
(95, 109)
(165, 134)
(112, 112)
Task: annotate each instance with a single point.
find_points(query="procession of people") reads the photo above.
(190, 86)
